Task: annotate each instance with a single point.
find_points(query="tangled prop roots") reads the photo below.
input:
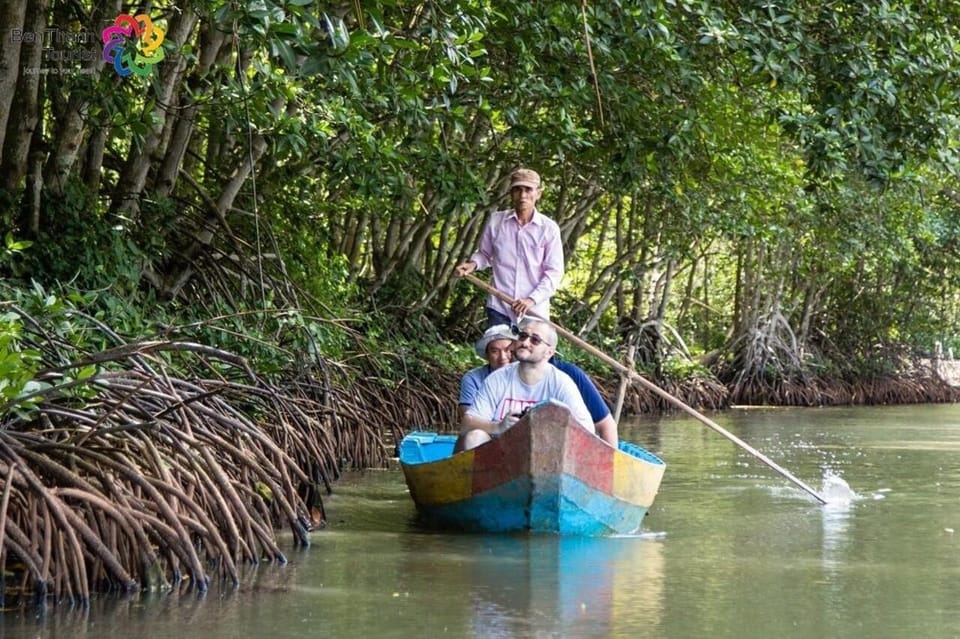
(153, 479)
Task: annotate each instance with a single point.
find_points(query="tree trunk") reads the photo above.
(12, 16)
(211, 41)
(24, 110)
(71, 125)
(217, 216)
(133, 178)
(93, 161)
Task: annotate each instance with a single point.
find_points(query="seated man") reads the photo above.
(529, 380)
(496, 346)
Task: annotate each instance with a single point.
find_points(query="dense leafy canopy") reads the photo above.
(769, 183)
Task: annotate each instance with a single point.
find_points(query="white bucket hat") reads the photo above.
(492, 334)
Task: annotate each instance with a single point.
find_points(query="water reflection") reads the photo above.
(144, 614)
(501, 585)
(523, 586)
(835, 518)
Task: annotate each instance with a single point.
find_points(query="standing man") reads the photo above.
(523, 248)
(530, 380)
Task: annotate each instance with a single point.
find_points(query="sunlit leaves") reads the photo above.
(390, 125)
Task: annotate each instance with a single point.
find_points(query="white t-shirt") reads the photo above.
(503, 393)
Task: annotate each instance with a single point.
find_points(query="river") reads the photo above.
(729, 549)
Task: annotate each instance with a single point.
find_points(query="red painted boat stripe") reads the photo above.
(592, 464)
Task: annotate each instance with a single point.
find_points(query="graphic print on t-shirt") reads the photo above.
(514, 406)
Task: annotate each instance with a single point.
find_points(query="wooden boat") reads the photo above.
(545, 474)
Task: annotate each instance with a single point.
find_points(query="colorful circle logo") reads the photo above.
(148, 51)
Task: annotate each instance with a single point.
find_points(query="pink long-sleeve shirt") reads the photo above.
(527, 260)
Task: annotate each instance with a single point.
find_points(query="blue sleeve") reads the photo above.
(588, 390)
(470, 384)
(486, 399)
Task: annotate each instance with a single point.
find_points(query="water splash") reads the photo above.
(641, 535)
(836, 490)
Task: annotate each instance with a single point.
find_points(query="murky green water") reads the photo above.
(730, 549)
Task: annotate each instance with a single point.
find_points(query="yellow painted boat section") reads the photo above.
(634, 481)
(442, 483)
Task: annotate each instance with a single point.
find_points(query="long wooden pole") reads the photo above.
(624, 383)
(654, 388)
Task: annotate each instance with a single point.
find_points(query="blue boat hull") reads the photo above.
(546, 474)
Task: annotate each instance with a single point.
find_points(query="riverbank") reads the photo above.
(922, 381)
(144, 464)
(947, 370)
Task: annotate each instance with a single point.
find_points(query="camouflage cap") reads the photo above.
(525, 177)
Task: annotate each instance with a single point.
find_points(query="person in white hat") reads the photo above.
(509, 390)
(495, 346)
(524, 250)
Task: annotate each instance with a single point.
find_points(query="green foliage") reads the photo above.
(679, 369)
(868, 85)
(23, 356)
(82, 243)
(778, 160)
(274, 342)
(18, 366)
(12, 249)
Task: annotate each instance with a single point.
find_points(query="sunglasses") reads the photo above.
(536, 340)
